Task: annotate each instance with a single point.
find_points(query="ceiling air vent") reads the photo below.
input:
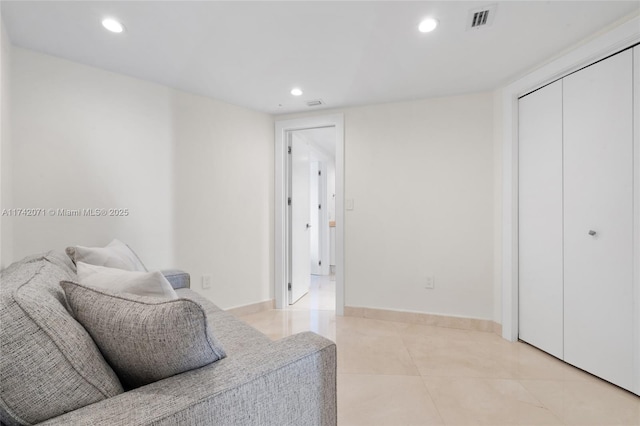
(315, 103)
(481, 18)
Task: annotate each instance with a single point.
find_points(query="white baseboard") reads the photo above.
(252, 308)
(425, 319)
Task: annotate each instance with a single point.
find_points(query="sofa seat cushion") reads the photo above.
(291, 381)
(145, 339)
(49, 364)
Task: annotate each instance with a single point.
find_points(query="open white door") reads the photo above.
(300, 220)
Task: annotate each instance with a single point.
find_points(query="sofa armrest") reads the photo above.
(288, 382)
(177, 278)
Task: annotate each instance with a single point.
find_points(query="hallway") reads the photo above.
(321, 295)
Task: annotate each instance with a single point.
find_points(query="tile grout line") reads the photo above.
(422, 379)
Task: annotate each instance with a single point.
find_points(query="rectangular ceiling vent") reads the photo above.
(481, 18)
(315, 103)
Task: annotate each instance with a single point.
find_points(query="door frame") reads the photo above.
(280, 237)
(625, 35)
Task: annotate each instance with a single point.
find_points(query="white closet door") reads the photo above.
(540, 219)
(598, 197)
(636, 214)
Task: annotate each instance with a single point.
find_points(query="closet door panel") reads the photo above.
(598, 219)
(540, 219)
(636, 215)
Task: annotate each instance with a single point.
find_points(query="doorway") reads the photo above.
(309, 213)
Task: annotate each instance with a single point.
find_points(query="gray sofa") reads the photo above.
(260, 382)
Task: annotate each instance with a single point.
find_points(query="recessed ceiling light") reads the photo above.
(112, 25)
(428, 25)
(296, 92)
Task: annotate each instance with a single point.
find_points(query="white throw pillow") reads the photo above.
(115, 255)
(115, 280)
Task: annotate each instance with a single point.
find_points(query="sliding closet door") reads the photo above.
(598, 219)
(540, 219)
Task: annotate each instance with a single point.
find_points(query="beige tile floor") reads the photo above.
(392, 373)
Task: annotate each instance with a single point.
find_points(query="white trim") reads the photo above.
(334, 120)
(636, 220)
(422, 318)
(623, 36)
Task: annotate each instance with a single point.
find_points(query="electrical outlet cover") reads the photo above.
(429, 282)
(206, 282)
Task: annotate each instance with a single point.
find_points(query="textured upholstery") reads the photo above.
(235, 336)
(145, 339)
(290, 382)
(48, 362)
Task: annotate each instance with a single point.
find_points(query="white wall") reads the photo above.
(224, 221)
(421, 175)
(87, 138)
(6, 222)
(497, 205)
(196, 174)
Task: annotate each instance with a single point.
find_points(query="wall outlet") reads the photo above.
(430, 282)
(349, 204)
(206, 282)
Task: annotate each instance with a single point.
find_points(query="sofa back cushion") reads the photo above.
(49, 364)
(115, 255)
(152, 284)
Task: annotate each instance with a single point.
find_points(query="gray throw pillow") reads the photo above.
(144, 339)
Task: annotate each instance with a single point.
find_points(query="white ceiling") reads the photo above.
(343, 52)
